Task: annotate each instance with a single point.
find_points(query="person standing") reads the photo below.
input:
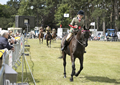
(4, 42)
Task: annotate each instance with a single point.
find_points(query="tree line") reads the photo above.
(105, 13)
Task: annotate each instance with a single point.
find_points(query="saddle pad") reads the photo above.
(1, 53)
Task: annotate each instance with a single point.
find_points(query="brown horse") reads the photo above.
(41, 35)
(54, 36)
(75, 49)
(48, 38)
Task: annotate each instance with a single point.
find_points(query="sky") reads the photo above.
(3, 2)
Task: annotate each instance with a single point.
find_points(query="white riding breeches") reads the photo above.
(68, 36)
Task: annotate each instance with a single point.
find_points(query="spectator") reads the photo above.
(4, 44)
(13, 40)
(17, 34)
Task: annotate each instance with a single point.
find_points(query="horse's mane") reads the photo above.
(79, 34)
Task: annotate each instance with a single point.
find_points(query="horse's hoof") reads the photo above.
(71, 79)
(76, 75)
(64, 76)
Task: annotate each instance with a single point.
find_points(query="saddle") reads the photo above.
(75, 33)
(71, 38)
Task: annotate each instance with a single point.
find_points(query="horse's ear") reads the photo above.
(84, 28)
(89, 27)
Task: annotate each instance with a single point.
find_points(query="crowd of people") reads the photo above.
(7, 39)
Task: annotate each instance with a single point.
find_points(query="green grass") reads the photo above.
(101, 64)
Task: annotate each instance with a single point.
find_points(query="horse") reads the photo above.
(54, 36)
(75, 49)
(41, 35)
(48, 38)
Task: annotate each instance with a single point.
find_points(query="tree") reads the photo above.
(59, 15)
(43, 10)
(50, 12)
(5, 17)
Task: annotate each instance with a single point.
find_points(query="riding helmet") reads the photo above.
(81, 12)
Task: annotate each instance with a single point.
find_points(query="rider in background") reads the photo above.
(53, 31)
(76, 24)
(41, 29)
(48, 29)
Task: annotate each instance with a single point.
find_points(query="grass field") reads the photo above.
(101, 64)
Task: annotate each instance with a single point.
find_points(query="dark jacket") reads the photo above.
(4, 43)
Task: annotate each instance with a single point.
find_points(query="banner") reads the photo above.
(92, 23)
(66, 15)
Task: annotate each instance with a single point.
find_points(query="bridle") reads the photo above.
(79, 41)
(85, 31)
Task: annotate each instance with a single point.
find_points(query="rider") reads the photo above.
(41, 29)
(76, 24)
(53, 30)
(48, 29)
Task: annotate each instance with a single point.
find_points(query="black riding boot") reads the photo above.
(65, 45)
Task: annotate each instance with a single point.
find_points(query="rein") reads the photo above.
(85, 31)
(79, 42)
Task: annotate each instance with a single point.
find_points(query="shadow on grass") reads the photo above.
(27, 78)
(101, 79)
(56, 47)
(42, 56)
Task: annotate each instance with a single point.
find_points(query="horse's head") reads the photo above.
(86, 35)
(83, 35)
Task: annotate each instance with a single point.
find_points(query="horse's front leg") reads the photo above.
(47, 41)
(50, 43)
(64, 63)
(42, 40)
(73, 68)
(81, 65)
(39, 41)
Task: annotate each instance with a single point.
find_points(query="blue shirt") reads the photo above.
(4, 43)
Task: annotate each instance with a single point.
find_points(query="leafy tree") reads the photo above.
(50, 8)
(43, 10)
(50, 12)
(5, 17)
(7, 14)
(24, 8)
(59, 16)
